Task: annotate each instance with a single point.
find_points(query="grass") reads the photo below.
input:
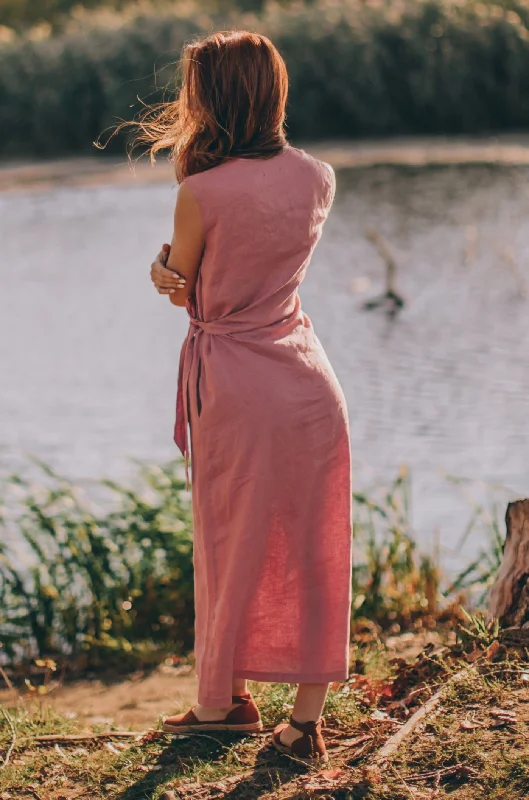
(474, 744)
(481, 760)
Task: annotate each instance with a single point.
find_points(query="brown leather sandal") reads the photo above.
(245, 719)
(310, 747)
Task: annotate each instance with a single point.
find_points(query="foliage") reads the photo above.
(97, 585)
(478, 629)
(20, 14)
(116, 584)
(357, 68)
(24, 13)
(392, 583)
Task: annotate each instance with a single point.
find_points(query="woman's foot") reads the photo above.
(243, 715)
(302, 740)
(206, 714)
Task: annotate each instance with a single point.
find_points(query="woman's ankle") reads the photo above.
(239, 687)
(207, 713)
(309, 702)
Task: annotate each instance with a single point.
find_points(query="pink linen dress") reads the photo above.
(269, 435)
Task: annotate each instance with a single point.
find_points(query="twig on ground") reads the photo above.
(13, 738)
(395, 741)
(437, 785)
(349, 744)
(438, 773)
(401, 779)
(52, 738)
(7, 681)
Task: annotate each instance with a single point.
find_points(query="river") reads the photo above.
(89, 351)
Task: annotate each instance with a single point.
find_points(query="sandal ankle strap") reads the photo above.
(241, 699)
(307, 727)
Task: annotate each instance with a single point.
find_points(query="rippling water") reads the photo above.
(89, 351)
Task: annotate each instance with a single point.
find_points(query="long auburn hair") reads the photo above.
(231, 103)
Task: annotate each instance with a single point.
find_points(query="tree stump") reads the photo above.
(509, 597)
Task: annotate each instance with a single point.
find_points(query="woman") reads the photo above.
(268, 423)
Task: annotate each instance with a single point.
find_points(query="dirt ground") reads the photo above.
(135, 703)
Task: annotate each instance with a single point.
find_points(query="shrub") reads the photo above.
(357, 68)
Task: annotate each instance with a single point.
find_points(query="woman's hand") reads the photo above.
(166, 281)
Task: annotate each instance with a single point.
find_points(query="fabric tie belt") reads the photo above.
(184, 371)
(230, 326)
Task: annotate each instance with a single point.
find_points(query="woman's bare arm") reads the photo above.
(187, 244)
(175, 270)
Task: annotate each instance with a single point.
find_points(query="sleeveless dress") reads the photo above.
(270, 451)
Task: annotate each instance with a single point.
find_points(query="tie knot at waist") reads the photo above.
(250, 319)
(223, 327)
(215, 327)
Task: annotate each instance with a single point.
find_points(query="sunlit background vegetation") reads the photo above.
(357, 67)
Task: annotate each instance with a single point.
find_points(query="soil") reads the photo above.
(135, 703)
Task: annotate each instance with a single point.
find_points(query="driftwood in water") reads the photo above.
(390, 299)
(509, 598)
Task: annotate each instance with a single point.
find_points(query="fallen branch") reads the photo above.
(455, 768)
(53, 738)
(355, 755)
(348, 744)
(394, 742)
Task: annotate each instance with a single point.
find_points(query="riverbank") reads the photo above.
(449, 721)
(403, 151)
